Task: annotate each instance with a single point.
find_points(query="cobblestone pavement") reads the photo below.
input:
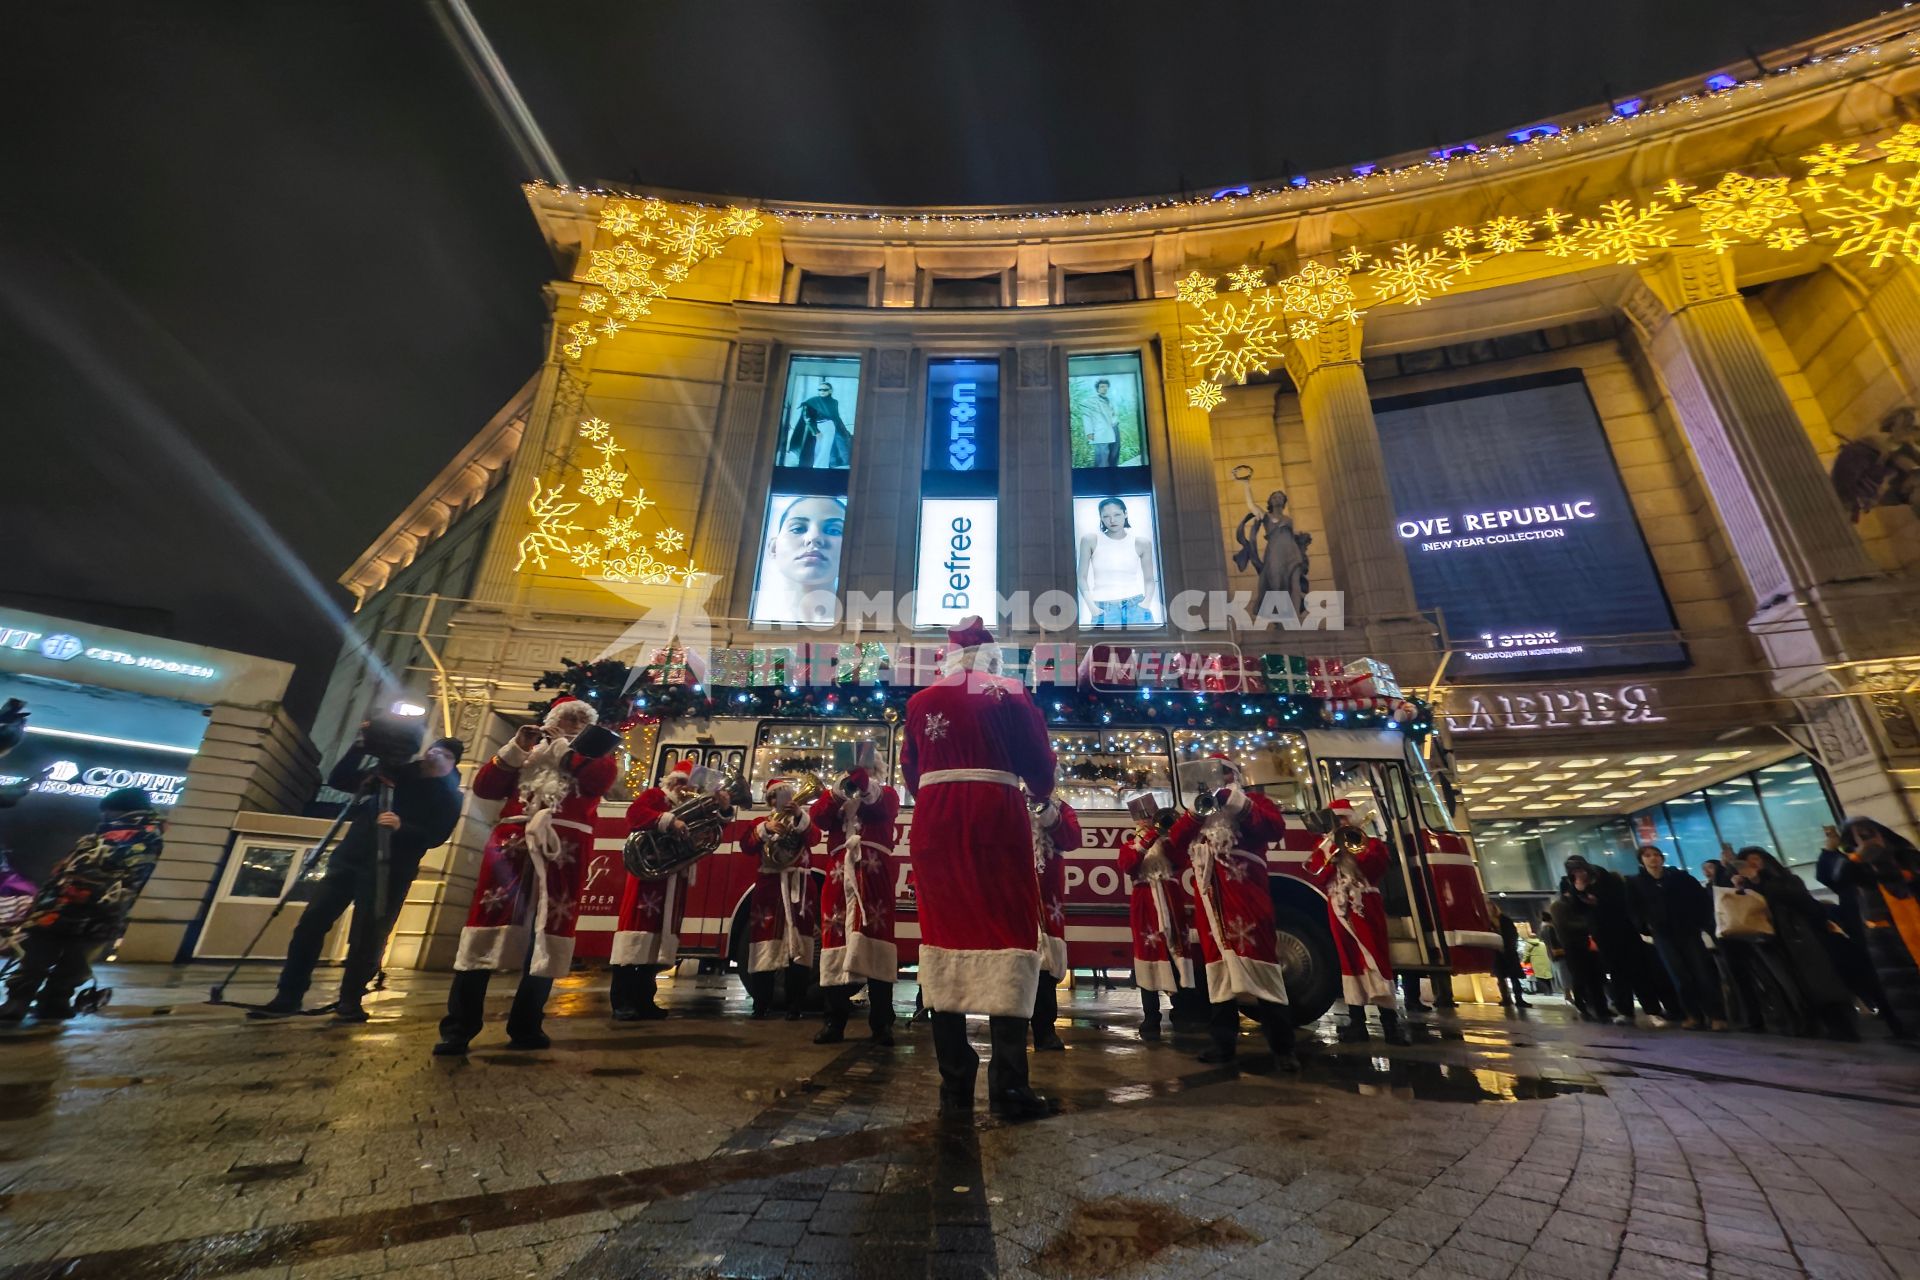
(168, 1138)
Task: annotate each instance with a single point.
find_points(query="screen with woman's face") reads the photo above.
(1116, 561)
(799, 574)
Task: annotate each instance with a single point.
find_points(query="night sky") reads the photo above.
(265, 265)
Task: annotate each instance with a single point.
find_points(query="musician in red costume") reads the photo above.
(784, 904)
(1348, 866)
(1226, 837)
(529, 885)
(856, 903)
(1056, 833)
(1157, 914)
(972, 739)
(646, 937)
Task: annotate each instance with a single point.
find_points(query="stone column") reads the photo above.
(883, 503)
(1036, 488)
(727, 497)
(1192, 555)
(1820, 604)
(1356, 504)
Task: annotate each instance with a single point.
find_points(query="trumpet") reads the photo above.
(786, 840)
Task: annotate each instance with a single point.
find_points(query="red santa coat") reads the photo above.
(1157, 913)
(1056, 833)
(651, 911)
(783, 907)
(530, 869)
(1357, 915)
(1228, 849)
(856, 902)
(972, 739)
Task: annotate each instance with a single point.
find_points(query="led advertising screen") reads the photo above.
(816, 424)
(958, 567)
(1116, 562)
(963, 418)
(799, 571)
(1105, 417)
(1518, 529)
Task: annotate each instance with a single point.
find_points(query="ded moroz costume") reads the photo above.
(1348, 866)
(973, 738)
(856, 903)
(1056, 833)
(785, 902)
(1227, 844)
(646, 937)
(1157, 914)
(525, 903)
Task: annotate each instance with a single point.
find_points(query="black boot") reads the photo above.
(838, 1004)
(466, 1010)
(1150, 1014)
(631, 992)
(1223, 1028)
(1046, 1008)
(1354, 1029)
(1392, 1029)
(880, 1012)
(528, 1012)
(959, 1063)
(760, 991)
(1008, 1092)
(1277, 1025)
(282, 1005)
(796, 987)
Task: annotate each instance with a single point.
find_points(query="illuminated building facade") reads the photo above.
(1596, 426)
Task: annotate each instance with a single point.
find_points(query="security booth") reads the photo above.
(202, 730)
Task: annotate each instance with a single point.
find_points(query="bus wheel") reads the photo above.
(1313, 970)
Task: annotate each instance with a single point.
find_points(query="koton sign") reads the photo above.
(1551, 708)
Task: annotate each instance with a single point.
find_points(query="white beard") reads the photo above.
(544, 780)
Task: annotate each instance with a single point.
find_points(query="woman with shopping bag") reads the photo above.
(1798, 921)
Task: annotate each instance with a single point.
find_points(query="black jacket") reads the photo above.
(1671, 905)
(1609, 913)
(429, 809)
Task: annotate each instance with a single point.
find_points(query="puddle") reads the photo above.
(616, 1071)
(246, 1174)
(1438, 1081)
(1107, 1236)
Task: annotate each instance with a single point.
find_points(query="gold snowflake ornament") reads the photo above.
(1415, 276)
(1205, 396)
(623, 278)
(1833, 158)
(1233, 342)
(1878, 220)
(552, 532)
(1195, 289)
(603, 484)
(1743, 206)
(1247, 279)
(1623, 233)
(1507, 233)
(1319, 291)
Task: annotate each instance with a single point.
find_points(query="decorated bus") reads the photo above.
(1341, 734)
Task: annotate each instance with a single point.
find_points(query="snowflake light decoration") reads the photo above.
(1744, 206)
(1196, 289)
(1508, 233)
(1787, 239)
(595, 430)
(1319, 291)
(1415, 276)
(1205, 396)
(1234, 342)
(552, 532)
(1623, 233)
(1355, 258)
(1833, 158)
(623, 279)
(1303, 329)
(1878, 220)
(669, 539)
(618, 532)
(603, 484)
(1902, 146)
(1247, 279)
(1457, 237)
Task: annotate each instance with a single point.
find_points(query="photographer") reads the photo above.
(425, 808)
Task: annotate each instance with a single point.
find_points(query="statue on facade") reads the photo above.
(1880, 468)
(1270, 546)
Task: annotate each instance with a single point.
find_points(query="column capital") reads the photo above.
(1677, 280)
(1336, 342)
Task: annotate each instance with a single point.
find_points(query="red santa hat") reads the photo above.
(1342, 805)
(970, 647)
(681, 772)
(780, 790)
(970, 633)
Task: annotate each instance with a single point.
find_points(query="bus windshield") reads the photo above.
(1272, 760)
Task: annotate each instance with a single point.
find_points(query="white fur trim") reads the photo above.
(1159, 975)
(1233, 977)
(1367, 988)
(806, 821)
(1053, 955)
(860, 959)
(989, 982)
(499, 947)
(512, 755)
(663, 822)
(1047, 814)
(630, 947)
(773, 955)
(978, 657)
(552, 956)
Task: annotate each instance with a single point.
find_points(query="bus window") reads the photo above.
(1274, 761)
(1100, 768)
(785, 749)
(1426, 793)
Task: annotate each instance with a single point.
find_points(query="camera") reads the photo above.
(13, 724)
(393, 739)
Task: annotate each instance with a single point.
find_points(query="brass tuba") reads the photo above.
(785, 840)
(653, 854)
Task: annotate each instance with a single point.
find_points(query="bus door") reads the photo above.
(1381, 785)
